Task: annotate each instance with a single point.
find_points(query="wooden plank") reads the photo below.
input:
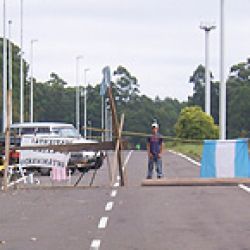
(195, 181)
(71, 147)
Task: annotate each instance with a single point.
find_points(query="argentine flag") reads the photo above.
(225, 159)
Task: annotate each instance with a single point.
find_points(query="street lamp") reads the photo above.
(31, 81)
(78, 93)
(85, 102)
(21, 65)
(223, 118)
(10, 69)
(207, 28)
(4, 69)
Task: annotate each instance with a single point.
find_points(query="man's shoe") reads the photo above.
(159, 177)
(149, 177)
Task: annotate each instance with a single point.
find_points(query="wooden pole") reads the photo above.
(7, 142)
(115, 126)
(116, 154)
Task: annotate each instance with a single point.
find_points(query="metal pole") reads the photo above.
(21, 66)
(207, 28)
(102, 114)
(78, 94)
(85, 112)
(85, 102)
(208, 84)
(10, 70)
(4, 68)
(222, 75)
(7, 142)
(31, 81)
(106, 119)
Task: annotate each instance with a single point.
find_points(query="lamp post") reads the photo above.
(223, 111)
(10, 69)
(78, 93)
(21, 65)
(4, 69)
(31, 81)
(85, 102)
(207, 28)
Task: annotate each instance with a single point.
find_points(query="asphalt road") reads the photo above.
(130, 218)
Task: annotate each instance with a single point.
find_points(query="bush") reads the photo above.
(193, 123)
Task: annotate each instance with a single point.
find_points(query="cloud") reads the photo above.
(159, 41)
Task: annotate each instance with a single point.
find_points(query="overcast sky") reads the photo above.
(158, 41)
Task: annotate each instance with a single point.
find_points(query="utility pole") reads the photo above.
(207, 28)
(31, 81)
(10, 71)
(21, 66)
(4, 68)
(85, 102)
(78, 94)
(223, 111)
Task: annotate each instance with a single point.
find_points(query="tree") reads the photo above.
(238, 101)
(15, 79)
(198, 97)
(126, 86)
(193, 123)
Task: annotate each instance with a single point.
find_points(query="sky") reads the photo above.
(158, 41)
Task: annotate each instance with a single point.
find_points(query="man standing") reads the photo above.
(154, 148)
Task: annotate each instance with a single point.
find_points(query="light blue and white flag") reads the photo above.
(225, 159)
(105, 81)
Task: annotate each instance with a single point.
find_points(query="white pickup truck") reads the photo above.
(83, 161)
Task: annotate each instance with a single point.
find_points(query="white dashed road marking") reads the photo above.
(109, 206)
(103, 222)
(95, 245)
(113, 193)
(116, 184)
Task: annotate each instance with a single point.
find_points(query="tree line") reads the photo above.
(54, 100)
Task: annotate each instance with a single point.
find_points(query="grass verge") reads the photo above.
(193, 150)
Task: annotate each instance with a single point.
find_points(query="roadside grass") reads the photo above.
(193, 150)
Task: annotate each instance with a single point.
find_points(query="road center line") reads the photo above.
(103, 222)
(109, 206)
(127, 159)
(116, 184)
(113, 193)
(95, 245)
(244, 187)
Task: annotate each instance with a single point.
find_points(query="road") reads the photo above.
(134, 217)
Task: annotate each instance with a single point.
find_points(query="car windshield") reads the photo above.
(66, 132)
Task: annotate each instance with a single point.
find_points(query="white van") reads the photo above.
(81, 160)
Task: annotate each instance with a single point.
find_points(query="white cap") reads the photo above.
(155, 125)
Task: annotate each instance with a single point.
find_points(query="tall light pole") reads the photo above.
(223, 111)
(85, 102)
(4, 69)
(21, 65)
(78, 94)
(10, 69)
(207, 28)
(31, 80)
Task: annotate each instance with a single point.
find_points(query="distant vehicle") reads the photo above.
(83, 161)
